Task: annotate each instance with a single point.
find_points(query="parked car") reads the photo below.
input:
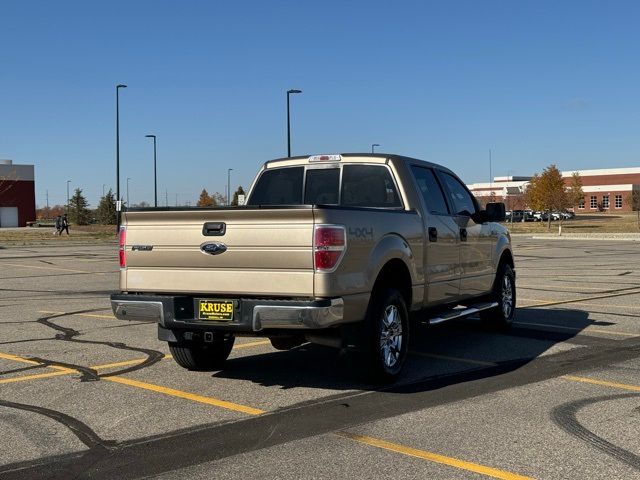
(331, 249)
(539, 216)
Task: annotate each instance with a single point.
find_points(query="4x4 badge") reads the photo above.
(213, 248)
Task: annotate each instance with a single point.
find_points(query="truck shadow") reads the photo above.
(434, 352)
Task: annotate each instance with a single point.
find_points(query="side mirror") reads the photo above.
(495, 212)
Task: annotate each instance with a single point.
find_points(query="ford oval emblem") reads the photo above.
(213, 248)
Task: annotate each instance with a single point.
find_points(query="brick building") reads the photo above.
(605, 189)
(17, 194)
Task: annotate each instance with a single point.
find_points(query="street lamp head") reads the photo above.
(121, 85)
(294, 91)
(375, 144)
(150, 136)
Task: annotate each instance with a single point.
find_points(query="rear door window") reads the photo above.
(368, 186)
(431, 191)
(280, 186)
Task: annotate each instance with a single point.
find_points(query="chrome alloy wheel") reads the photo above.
(391, 336)
(507, 297)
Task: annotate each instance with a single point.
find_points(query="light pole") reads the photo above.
(118, 87)
(128, 191)
(229, 186)
(373, 147)
(68, 182)
(103, 185)
(155, 172)
(289, 92)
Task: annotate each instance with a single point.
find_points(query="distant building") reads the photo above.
(17, 194)
(605, 189)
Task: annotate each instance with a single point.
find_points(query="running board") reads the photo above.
(461, 313)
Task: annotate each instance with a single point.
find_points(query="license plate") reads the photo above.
(221, 310)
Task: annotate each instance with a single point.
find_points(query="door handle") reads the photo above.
(214, 229)
(463, 234)
(433, 234)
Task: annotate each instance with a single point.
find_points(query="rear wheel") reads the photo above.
(504, 293)
(203, 356)
(388, 324)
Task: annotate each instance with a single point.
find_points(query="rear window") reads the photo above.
(322, 186)
(281, 186)
(362, 186)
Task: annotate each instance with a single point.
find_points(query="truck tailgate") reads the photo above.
(268, 252)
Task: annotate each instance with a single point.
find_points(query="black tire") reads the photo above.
(388, 343)
(504, 292)
(286, 342)
(203, 357)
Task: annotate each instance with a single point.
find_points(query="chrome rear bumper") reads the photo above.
(252, 315)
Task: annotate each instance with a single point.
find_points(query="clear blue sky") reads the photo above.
(538, 82)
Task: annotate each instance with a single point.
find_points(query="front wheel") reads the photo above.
(388, 324)
(504, 293)
(203, 356)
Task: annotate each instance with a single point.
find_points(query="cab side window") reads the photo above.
(459, 196)
(368, 186)
(430, 190)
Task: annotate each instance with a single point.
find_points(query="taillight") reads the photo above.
(122, 240)
(329, 244)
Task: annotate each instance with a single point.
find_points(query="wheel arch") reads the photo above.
(394, 273)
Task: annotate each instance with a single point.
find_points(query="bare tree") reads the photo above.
(633, 200)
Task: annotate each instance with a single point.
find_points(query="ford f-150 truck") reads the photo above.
(340, 250)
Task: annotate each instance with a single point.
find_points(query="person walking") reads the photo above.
(58, 225)
(65, 225)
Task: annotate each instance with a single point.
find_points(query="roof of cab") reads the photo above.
(351, 157)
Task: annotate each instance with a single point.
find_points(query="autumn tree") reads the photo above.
(78, 211)
(547, 192)
(633, 200)
(575, 193)
(205, 199)
(106, 211)
(239, 191)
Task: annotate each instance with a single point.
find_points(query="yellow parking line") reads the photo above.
(37, 376)
(16, 358)
(454, 359)
(630, 307)
(433, 457)
(252, 344)
(45, 268)
(67, 371)
(585, 299)
(90, 315)
(633, 388)
(575, 329)
(169, 356)
(186, 395)
(564, 287)
(126, 363)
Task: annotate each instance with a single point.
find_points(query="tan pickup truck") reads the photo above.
(341, 250)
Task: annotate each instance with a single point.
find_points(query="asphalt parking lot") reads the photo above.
(85, 395)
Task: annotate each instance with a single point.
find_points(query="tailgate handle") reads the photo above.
(214, 229)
